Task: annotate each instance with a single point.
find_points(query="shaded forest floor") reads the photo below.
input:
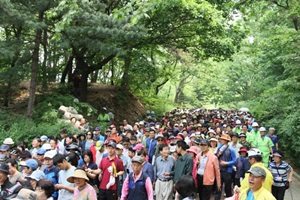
(122, 105)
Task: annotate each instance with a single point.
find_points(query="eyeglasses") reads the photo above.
(160, 140)
(203, 145)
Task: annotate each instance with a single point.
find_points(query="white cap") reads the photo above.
(262, 129)
(50, 154)
(238, 122)
(46, 146)
(254, 152)
(184, 121)
(43, 138)
(272, 129)
(119, 146)
(255, 124)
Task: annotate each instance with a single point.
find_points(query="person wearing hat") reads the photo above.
(227, 158)
(274, 138)
(254, 134)
(257, 176)
(264, 144)
(133, 140)
(110, 166)
(255, 159)
(243, 140)
(9, 142)
(193, 151)
(164, 164)
(51, 171)
(83, 190)
(65, 188)
(4, 180)
(213, 145)
(208, 171)
(98, 155)
(4, 152)
(43, 139)
(137, 184)
(242, 165)
(30, 166)
(97, 133)
(282, 175)
(35, 177)
(40, 157)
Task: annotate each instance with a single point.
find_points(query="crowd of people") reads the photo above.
(184, 154)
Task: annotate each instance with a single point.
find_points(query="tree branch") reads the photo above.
(282, 6)
(100, 64)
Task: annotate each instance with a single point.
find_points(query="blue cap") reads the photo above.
(97, 128)
(41, 151)
(4, 147)
(31, 163)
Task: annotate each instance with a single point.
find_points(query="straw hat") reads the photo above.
(78, 173)
(225, 137)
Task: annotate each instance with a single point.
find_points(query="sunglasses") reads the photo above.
(160, 140)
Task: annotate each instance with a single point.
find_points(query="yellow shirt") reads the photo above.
(261, 194)
(268, 181)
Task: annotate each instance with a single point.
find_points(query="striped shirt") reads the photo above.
(279, 173)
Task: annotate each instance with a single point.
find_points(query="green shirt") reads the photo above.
(183, 166)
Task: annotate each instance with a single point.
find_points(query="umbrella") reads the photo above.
(244, 109)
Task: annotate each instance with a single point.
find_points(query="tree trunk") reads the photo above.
(159, 86)
(112, 69)
(44, 65)
(67, 70)
(84, 86)
(125, 77)
(34, 69)
(94, 76)
(179, 90)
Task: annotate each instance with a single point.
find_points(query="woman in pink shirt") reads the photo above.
(193, 151)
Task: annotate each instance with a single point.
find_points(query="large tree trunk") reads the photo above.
(125, 77)
(179, 90)
(67, 70)
(34, 69)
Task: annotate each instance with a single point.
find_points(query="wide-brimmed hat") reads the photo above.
(193, 149)
(78, 173)
(225, 137)
(8, 141)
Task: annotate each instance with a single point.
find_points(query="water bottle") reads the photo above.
(12, 189)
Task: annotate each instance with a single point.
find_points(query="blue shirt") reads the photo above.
(250, 195)
(274, 139)
(279, 173)
(163, 166)
(148, 169)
